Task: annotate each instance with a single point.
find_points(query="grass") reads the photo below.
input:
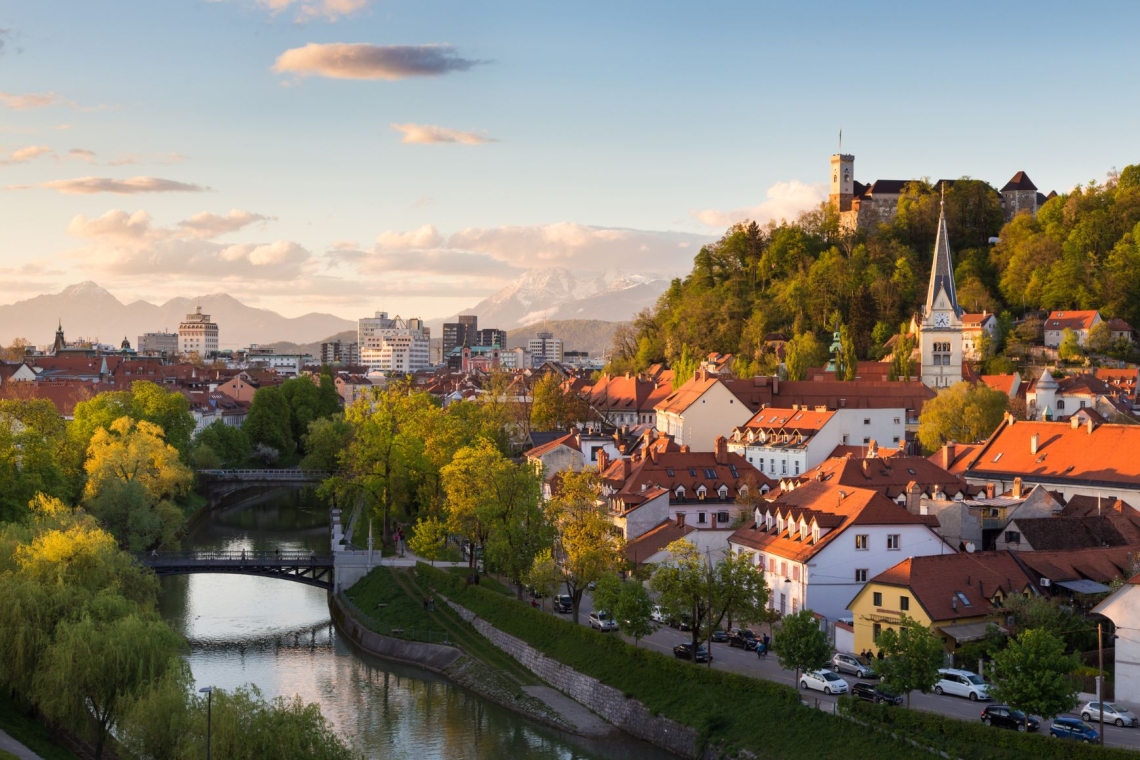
(729, 710)
(18, 724)
(7, 756)
(485, 581)
(381, 598)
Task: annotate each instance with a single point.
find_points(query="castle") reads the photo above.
(864, 206)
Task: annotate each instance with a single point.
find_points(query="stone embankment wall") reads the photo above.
(627, 714)
(434, 657)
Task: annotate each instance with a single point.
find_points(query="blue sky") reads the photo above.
(596, 136)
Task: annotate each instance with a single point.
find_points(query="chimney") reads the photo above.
(680, 519)
(947, 455)
(720, 447)
(1074, 423)
(989, 490)
(872, 449)
(626, 468)
(684, 448)
(775, 385)
(913, 498)
(954, 603)
(653, 455)
(1017, 488)
(1033, 441)
(1091, 426)
(603, 460)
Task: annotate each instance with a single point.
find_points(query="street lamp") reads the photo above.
(209, 692)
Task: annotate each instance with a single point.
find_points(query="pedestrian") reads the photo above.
(431, 604)
(880, 655)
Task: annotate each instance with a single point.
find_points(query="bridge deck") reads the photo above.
(302, 567)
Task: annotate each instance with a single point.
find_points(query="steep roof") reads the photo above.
(569, 440)
(1020, 181)
(942, 270)
(961, 456)
(1105, 455)
(690, 470)
(1058, 533)
(1003, 383)
(888, 186)
(1100, 565)
(951, 586)
(687, 395)
(803, 421)
(1072, 320)
(889, 476)
(655, 540)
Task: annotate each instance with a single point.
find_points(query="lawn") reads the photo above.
(16, 722)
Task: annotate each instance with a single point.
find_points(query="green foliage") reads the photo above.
(32, 437)
(554, 406)
(847, 364)
(912, 656)
(429, 539)
(144, 402)
(800, 644)
(16, 720)
(962, 413)
(270, 421)
(1033, 674)
(229, 443)
(1070, 349)
(326, 440)
(902, 367)
(684, 366)
(739, 591)
(802, 352)
(633, 611)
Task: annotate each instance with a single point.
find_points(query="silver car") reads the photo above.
(1113, 713)
(856, 665)
(602, 621)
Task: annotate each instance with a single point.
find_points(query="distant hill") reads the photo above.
(590, 335)
(313, 349)
(87, 310)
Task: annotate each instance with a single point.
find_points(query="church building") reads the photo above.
(940, 328)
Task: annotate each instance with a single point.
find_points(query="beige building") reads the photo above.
(699, 411)
(198, 335)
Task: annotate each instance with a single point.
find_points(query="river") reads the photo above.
(277, 635)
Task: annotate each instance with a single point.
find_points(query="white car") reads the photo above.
(823, 680)
(1113, 713)
(658, 614)
(602, 621)
(961, 683)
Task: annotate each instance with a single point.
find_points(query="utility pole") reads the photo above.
(209, 690)
(708, 557)
(1100, 678)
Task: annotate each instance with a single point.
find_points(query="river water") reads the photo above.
(277, 635)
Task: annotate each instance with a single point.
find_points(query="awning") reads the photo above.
(1084, 586)
(968, 631)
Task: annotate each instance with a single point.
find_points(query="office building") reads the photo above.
(198, 335)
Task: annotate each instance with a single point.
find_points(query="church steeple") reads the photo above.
(942, 271)
(60, 343)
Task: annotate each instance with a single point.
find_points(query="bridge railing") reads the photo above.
(290, 557)
(292, 474)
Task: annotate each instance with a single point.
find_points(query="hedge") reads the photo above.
(728, 710)
(965, 739)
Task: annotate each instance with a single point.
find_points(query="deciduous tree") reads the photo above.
(800, 644)
(686, 585)
(912, 656)
(1033, 674)
(963, 413)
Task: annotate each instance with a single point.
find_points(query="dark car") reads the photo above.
(1003, 716)
(874, 693)
(719, 636)
(563, 603)
(682, 622)
(743, 638)
(685, 652)
(1075, 729)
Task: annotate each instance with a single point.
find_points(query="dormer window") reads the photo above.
(815, 533)
(723, 492)
(680, 492)
(701, 492)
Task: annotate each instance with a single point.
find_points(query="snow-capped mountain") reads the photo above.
(557, 294)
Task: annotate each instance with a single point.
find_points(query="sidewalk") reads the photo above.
(8, 744)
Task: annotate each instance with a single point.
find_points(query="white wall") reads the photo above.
(715, 413)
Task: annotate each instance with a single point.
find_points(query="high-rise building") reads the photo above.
(460, 333)
(158, 344)
(198, 335)
(339, 352)
(490, 336)
(544, 348)
(393, 345)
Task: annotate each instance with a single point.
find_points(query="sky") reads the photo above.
(350, 156)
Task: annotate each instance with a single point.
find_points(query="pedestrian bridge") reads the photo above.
(305, 567)
(288, 475)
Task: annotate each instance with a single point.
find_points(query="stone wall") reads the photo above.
(434, 657)
(627, 714)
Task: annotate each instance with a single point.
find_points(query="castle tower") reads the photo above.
(940, 333)
(842, 181)
(1045, 404)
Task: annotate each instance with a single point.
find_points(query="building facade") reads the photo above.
(198, 335)
(544, 347)
(459, 333)
(940, 331)
(339, 352)
(158, 344)
(393, 344)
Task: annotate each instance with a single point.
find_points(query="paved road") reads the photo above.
(739, 661)
(8, 744)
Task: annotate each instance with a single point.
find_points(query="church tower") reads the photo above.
(940, 333)
(842, 181)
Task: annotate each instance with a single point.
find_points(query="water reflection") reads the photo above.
(277, 635)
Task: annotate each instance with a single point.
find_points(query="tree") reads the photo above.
(586, 547)
(429, 539)
(94, 667)
(963, 413)
(228, 442)
(32, 436)
(912, 656)
(901, 364)
(1100, 338)
(544, 574)
(1033, 674)
(686, 364)
(472, 510)
(634, 611)
(1070, 349)
(16, 351)
(685, 585)
(801, 352)
(554, 406)
(800, 644)
(325, 442)
(270, 421)
(740, 592)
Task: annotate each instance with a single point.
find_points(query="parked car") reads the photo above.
(563, 603)
(658, 615)
(743, 638)
(685, 652)
(682, 623)
(1003, 716)
(961, 683)
(823, 680)
(1075, 729)
(875, 693)
(602, 621)
(1113, 713)
(719, 636)
(855, 664)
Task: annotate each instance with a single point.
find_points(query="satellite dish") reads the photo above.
(970, 548)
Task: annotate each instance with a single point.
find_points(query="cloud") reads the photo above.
(83, 154)
(785, 200)
(92, 185)
(26, 154)
(127, 159)
(342, 60)
(330, 10)
(429, 134)
(130, 245)
(426, 236)
(30, 100)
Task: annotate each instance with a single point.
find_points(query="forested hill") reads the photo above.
(1081, 251)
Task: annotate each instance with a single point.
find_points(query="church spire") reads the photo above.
(942, 270)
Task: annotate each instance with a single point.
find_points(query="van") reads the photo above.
(961, 683)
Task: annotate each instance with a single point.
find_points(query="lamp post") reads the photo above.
(209, 692)
(1100, 678)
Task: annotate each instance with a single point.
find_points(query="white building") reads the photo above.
(1123, 609)
(544, 348)
(819, 544)
(393, 345)
(287, 365)
(157, 344)
(940, 332)
(787, 442)
(198, 335)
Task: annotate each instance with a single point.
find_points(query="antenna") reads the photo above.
(841, 139)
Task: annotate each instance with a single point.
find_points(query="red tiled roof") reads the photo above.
(654, 540)
(570, 440)
(1003, 383)
(1106, 455)
(889, 476)
(1072, 320)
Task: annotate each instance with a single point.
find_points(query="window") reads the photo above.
(893, 542)
(866, 440)
(845, 440)
(1013, 537)
(722, 517)
(1082, 403)
(701, 517)
(1060, 403)
(877, 598)
(710, 473)
(772, 565)
(904, 603)
(784, 467)
(896, 440)
(670, 473)
(861, 576)
(784, 569)
(876, 630)
(861, 541)
(797, 468)
(866, 420)
(896, 421)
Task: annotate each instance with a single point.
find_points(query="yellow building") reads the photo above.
(957, 595)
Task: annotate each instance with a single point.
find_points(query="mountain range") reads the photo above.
(88, 311)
